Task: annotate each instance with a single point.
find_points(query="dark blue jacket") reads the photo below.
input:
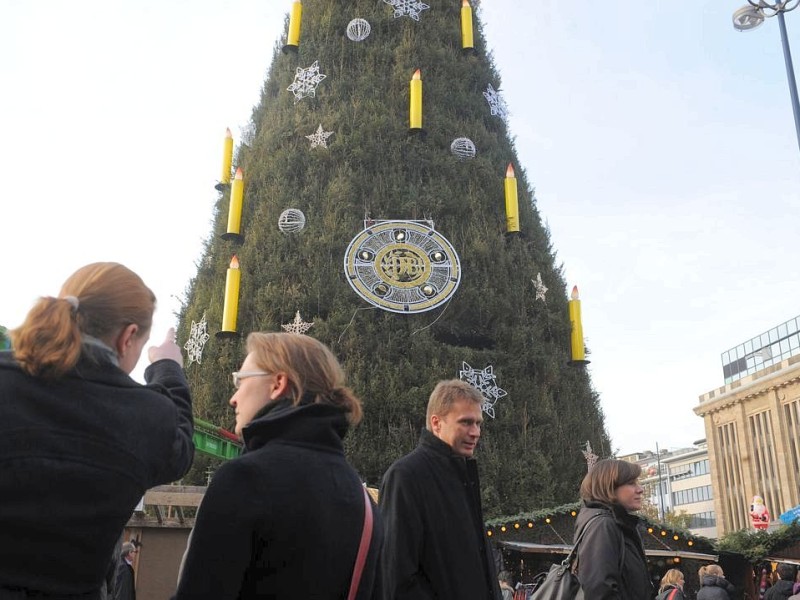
(76, 456)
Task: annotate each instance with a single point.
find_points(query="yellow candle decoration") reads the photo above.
(295, 20)
(467, 42)
(512, 201)
(227, 157)
(235, 209)
(576, 339)
(415, 110)
(231, 308)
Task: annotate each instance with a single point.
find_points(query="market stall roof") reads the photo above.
(528, 547)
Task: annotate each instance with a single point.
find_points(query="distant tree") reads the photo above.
(530, 453)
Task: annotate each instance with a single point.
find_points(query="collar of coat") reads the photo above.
(307, 423)
(429, 440)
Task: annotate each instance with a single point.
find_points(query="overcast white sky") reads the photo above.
(660, 142)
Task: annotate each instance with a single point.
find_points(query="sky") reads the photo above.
(660, 142)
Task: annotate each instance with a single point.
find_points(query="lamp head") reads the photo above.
(747, 18)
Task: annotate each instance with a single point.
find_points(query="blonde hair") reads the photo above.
(445, 394)
(672, 577)
(603, 479)
(98, 300)
(711, 570)
(310, 367)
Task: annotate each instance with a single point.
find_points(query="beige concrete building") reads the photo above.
(752, 426)
(690, 488)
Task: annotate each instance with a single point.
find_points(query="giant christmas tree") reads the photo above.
(450, 291)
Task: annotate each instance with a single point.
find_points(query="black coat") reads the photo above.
(602, 570)
(436, 545)
(76, 456)
(715, 588)
(781, 590)
(125, 584)
(284, 520)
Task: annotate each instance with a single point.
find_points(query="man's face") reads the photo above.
(460, 427)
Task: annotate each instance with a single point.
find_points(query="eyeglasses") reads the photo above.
(239, 375)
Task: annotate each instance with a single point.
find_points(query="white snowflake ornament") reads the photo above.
(497, 106)
(407, 8)
(306, 81)
(197, 339)
(541, 289)
(484, 382)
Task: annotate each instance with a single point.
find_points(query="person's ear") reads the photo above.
(125, 339)
(279, 386)
(436, 424)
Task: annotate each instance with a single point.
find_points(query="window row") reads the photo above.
(703, 519)
(695, 469)
(698, 494)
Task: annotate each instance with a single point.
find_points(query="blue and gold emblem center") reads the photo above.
(402, 266)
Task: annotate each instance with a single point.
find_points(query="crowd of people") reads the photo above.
(81, 441)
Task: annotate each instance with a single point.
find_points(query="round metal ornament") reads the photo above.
(291, 220)
(358, 30)
(402, 266)
(462, 148)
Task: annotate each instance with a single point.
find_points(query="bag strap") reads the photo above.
(363, 547)
(672, 595)
(567, 562)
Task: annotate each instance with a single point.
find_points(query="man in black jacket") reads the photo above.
(435, 544)
(782, 588)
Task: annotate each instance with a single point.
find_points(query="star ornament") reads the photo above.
(497, 106)
(306, 82)
(484, 382)
(541, 288)
(197, 339)
(407, 8)
(319, 138)
(297, 326)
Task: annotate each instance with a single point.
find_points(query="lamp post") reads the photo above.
(751, 16)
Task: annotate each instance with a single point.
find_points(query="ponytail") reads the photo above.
(48, 343)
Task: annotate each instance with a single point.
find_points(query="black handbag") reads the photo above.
(560, 583)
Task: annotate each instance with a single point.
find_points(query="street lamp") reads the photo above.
(751, 16)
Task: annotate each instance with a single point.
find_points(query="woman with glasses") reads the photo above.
(80, 441)
(286, 519)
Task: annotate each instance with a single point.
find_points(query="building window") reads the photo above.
(767, 349)
(695, 469)
(702, 520)
(692, 495)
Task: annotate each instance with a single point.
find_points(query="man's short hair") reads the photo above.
(787, 571)
(126, 549)
(448, 392)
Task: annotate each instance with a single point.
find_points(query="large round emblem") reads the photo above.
(402, 266)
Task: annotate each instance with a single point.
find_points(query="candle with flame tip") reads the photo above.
(467, 41)
(295, 20)
(512, 201)
(415, 109)
(576, 339)
(230, 310)
(235, 209)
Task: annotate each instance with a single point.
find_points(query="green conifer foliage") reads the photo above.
(530, 454)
